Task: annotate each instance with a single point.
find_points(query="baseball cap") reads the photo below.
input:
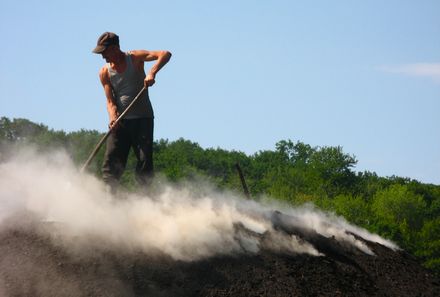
(104, 41)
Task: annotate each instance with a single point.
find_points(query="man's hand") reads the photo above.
(112, 125)
(149, 80)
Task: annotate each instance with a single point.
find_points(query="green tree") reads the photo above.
(399, 211)
(429, 244)
(354, 208)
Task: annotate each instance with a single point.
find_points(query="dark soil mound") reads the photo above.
(31, 265)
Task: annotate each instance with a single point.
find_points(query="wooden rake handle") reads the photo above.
(98, 146)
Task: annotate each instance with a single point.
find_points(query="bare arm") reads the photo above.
(111, 103)
(161, 58)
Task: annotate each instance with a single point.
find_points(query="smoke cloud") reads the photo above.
(186, 223)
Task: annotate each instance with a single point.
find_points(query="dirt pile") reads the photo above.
(32, 264)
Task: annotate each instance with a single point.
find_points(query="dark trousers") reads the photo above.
(136, 134)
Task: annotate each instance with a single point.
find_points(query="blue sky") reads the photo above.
(364, 75)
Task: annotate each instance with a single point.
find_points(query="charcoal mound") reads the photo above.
(31, 264)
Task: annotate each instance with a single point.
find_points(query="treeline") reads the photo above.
(401, 209)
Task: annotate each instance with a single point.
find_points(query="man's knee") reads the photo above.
(144, 171)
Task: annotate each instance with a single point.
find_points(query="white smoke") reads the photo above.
(330, 225)
(179, 222)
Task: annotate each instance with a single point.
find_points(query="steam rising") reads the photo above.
(178, 221)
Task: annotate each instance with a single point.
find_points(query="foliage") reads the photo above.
(401, 209)
(429, 244)
(354, 209)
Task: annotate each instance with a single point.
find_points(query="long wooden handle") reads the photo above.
(243, 181)
(98, 146)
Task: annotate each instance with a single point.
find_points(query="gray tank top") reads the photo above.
(126, 86)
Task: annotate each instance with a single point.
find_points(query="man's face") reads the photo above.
(109, 54)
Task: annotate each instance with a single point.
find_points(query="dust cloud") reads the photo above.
(185, 222)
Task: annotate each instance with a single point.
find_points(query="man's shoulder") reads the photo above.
(134, 52)
(103, 69)
(104, 74)
(137, 54)
(136, 57)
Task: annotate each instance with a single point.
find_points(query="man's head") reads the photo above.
(106, 40)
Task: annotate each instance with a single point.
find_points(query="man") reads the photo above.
(123, 77)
